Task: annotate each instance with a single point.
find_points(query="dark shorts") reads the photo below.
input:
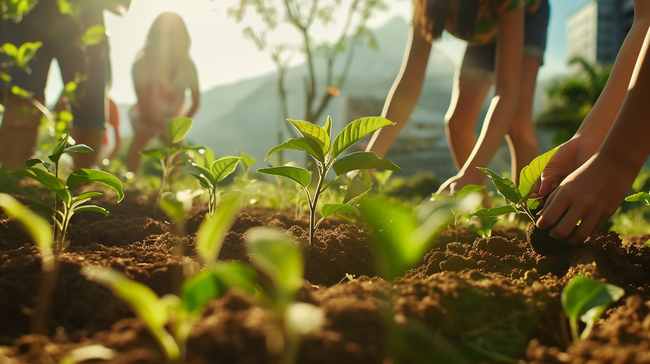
(479, 60)
(60, 35)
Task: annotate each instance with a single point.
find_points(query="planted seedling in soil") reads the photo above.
(437, 201)
(65, 204)
(586, 299)
(181, 313)
(316, 142)
(277, 256)
(210, 175)
(41, 233)
(517, 201)
(402, 240)
(176, 130)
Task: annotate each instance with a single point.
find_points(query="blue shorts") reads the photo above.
(60, 34)
(479, 61)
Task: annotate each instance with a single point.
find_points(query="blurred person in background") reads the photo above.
(162, 73)
(88, 65)
(506, 40)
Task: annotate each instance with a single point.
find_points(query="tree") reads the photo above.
(571, 98)
(303, 16)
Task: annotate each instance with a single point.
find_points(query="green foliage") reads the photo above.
(20, 56)
(517, 197)
(94, 35)
(213, 229)
(317, 143)
(47, 174)
(640, 196)
(403, 238)
(213, 173)
(586, 299)
(180, 313)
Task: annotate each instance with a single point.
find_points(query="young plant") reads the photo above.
(181, 313)
(437, 200)
(317, 143)
(41, 233)
(65, 204)
(176, 130)
(212, 174)
(586, 299)
(247, 162)
(517, 197)
(276, 255)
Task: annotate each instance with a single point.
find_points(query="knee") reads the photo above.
(522, 131)
(459, 123)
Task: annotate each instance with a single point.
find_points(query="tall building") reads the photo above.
(597, 29)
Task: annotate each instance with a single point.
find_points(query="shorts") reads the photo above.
(479, 61)
(60, 35)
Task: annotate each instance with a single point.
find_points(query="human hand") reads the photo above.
(591, 195)
(570, 156)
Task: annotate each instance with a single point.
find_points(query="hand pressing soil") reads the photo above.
(542, 243)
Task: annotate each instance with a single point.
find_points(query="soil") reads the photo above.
(470, 300)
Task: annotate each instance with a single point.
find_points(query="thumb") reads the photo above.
(548, 182)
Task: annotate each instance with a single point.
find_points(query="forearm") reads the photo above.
(497, 122)
(627, 141)
(404, 94)
(600, 118)
(194, 107)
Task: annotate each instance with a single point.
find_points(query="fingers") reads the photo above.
(554, 208)
(548, 183)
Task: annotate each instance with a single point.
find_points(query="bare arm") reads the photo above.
(196, 93)
(502, 108)
(405, 92)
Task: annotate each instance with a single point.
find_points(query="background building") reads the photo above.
(597, 29)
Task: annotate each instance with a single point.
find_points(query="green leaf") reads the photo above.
(305, 144)
(177, 128)
(154, 153)
(84, 175)
(70, 87)
(330, 209)
(86, 195)
(530, 173)
(44, 209)
(356, 131)
(20, 92)
(497, 211)
(35, 161)
(235, 275)
(313, 132)
(199, 290)
(173, 209)
(328, 126)
(65, 116)
(48, 180)
(6, 78)
(277, 256)
(359, 186)
(141, 299)
(37, 228)
(506, 187)
(206, 173)
(300, 175)
(204, 182)
(94, 35)
(92, 208)
(78, 148)
(26, 52)
(223, 167)
(213, 229)
(247, 160)
(362, 160)
(641, 196)
(9, 49)
(59, 149)
(587, 298)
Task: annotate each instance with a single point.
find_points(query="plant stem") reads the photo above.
(48, 283)
(314, 204)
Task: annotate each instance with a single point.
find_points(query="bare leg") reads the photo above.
(467, 101)
(141, 136)
(19, 132)
(93, 139)
(521, 135)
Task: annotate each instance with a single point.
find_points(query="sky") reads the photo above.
(222, 55)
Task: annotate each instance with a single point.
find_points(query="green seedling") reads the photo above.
(640, 196)
(276, 255)
(210, 175)
(176, 130)
(517, 196)
(317, 143)
(180, 313)
(170, 319)
(41, 233)
(66, 205)
(247, 162)
(438, 200)
(586, 299)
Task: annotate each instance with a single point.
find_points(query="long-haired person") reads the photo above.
(506, 40)
(162, 73)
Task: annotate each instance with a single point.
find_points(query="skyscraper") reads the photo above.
(596, 30)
